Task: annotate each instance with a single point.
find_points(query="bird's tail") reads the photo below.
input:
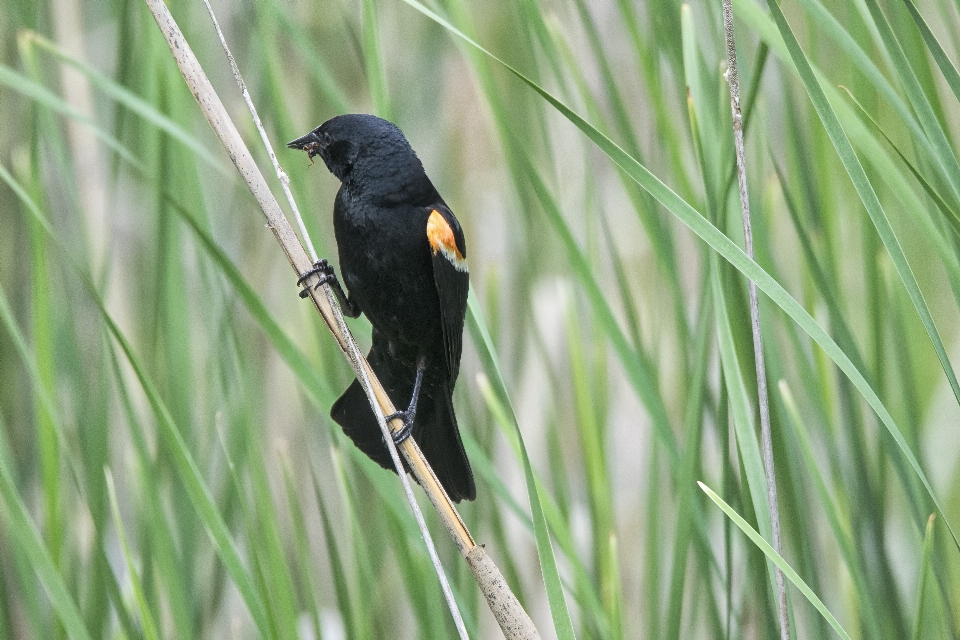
(434, 428)
(439, 439)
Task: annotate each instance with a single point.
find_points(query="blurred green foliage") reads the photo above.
(167, 466)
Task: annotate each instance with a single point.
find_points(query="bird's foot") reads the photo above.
(407, 416)
(404, 432)
(321, 267)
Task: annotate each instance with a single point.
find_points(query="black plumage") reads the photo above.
(403, 261)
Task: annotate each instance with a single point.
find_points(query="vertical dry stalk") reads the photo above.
(354, 354)
(765, 437)
(513, 620)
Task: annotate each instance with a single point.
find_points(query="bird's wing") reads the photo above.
(452, 279)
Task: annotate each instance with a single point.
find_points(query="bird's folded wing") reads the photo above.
(452, 280)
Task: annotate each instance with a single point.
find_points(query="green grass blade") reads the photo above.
(164, 562)
(897, 183)
(836, 516)
(625, 409)
(22, 529)
(741, 407)
(694, 417)
(130, 100)
(343, 585)
(45, 399)
(548, 563)
(949, 213)
(726, 248)
(779, 561)
(269, 564)
(835, 30)
(172, 436)
(825, 285)
(376, 75)
(315, 65)
(870, 149)
(146, 618)
(17, 523)
(943, 152)
(587, 399)
(192, 479)
(557, 521)
(306, 372)
(34, 91)
(864, 189)
(947, 68)
(650, 216)
(637, 367)
(304, 573)
(924, 572)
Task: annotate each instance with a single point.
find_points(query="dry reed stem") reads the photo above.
(354, 354)
(513, 620)
(766, 439)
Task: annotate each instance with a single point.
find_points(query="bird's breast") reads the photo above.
(385, 264)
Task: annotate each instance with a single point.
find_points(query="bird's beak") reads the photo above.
(308, 142)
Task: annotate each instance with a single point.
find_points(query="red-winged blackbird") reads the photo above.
(403, 260)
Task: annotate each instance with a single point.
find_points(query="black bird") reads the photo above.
(403, 260)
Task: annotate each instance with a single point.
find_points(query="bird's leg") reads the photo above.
(327, 276)
(411, 412)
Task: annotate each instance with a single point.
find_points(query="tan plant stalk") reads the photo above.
(354, 353)
(513, 620)
(766, 439)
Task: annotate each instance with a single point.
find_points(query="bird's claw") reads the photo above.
(404, 432)
(408, 416)
(321, 267)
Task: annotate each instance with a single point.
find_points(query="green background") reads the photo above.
(167, 464)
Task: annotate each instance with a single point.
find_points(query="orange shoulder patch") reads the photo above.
(441, 240)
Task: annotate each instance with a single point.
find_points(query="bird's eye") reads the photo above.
(326, 139)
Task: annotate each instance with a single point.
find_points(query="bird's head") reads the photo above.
(363, 150)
